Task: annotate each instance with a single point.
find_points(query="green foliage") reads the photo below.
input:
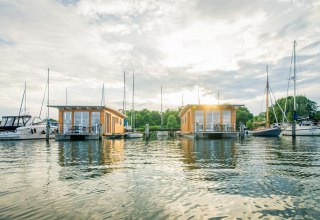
(153, 118)
(243, 115)
(172, 122)
(305, 108)
(249, 124)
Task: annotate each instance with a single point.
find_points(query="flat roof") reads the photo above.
(91, 107)
(185, 108)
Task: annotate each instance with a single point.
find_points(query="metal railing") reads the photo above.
(79, 129)
(213, 127)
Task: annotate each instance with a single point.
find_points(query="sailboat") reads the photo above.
(304, 128)
(162, 133)
(25, 127)
(133, 133)
(267, 131)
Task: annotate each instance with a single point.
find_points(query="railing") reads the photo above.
(79, 129)
(212, 127)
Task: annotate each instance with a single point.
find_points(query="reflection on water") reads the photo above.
(161, 179)
(221, 153)
(89, 157)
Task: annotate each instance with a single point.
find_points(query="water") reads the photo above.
(161, 179)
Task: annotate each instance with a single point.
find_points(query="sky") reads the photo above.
(192, 48)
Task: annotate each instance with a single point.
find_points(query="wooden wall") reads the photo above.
(188, 117)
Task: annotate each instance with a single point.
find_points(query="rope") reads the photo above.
(44, 95)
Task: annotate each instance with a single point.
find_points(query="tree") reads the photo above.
(249, 124)
(172, 122)
(243, 115)
(306, 108)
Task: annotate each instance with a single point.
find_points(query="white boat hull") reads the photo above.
(27, 133)
(133, 135)
(302, 131)
(162, 133)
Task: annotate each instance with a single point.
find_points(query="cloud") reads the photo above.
(213, 46)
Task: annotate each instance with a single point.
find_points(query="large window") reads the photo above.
(199, 120)
(226, 119)
(95, 121)
(212, 120)
(81, 121)
(66, 122)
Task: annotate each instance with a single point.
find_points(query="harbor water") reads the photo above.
(269, 178)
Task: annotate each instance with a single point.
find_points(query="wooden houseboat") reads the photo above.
(209, 121)
(89, 122)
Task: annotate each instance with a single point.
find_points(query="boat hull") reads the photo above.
(32, 132)
(133, 135)
(16, 136)
(162, 133)
(269, 132)
(315, 131)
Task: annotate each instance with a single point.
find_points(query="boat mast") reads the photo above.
(132, 113)
(294, 91)
(103, 101)
(25, 98)
(161, 110)
(267, 100)
(124, 92)
(48, 123)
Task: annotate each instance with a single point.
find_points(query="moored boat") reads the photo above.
(32, 130)
(304, 128)
(267, 131)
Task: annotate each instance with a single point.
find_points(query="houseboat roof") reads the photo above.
(195, 106)
(88, 107)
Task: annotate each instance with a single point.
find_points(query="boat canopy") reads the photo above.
(14, 121)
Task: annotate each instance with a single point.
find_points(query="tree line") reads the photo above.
(284, 106)
(170, 119)
(281, 111)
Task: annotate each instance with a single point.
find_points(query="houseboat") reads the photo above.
(209, 121)
(89, 122)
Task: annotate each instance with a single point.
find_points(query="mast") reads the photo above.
(66, 96)
(294, 91)
(124, 92)
(25, 98)
(267, 99)
(103, 101)
(132, 113)
(182, 99)
(48, 123)
(161, 110)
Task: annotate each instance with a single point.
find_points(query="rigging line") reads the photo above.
(284, 115)
(23, 95)
(285, 106)
(44, 95)
(304, 92)
(263, 101)
(272, 105)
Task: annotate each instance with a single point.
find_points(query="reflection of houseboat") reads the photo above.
(89, 122)
(209, 121)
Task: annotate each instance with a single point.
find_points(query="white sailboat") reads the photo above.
(304, 128)
(267, 131)
(25, 127)
(133, 133)
(162, 133)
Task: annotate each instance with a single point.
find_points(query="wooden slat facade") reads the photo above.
(188, 117)
(111, 121)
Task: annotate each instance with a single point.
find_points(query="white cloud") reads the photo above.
(218, 45)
